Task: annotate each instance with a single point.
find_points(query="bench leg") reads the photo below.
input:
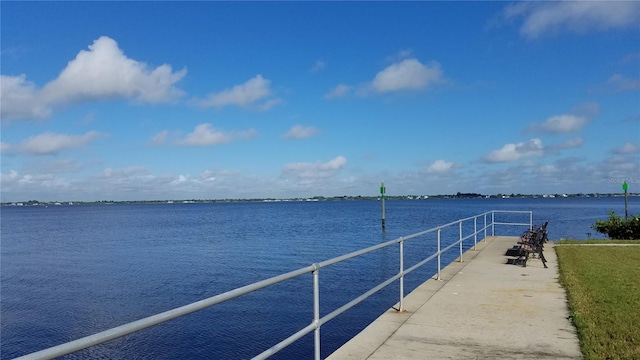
(544, 261)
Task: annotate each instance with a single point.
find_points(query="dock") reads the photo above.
(481, 308)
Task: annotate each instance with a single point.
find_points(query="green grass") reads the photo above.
(603, 289)
(596, 241)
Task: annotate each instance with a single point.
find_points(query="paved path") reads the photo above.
(481, 309)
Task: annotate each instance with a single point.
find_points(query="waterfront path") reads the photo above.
(482, 308)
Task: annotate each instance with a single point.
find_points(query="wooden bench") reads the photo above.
(530, 244)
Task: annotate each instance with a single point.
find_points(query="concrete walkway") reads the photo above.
(481, 309)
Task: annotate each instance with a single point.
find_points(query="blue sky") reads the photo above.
(215, 100)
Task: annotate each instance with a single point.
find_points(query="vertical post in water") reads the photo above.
(438, 254)
(625, 187)
(382, 191)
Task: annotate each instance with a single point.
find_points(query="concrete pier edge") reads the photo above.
(482, 308)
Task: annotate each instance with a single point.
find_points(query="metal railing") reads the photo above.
(317, 321)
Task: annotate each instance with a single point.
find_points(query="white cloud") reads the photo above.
(268, 104)
(541, 18)
(34, 182)
(4, 146)
(514, 152)
(300, 132)
(571, 143)
(339, 91)
(334, 164)
(206, 135)
(208, 175)
(319, 65)
(621, 167)
(565, 175)
(404, 75)
(316, 170)
(243, 95)
(54, 166)
(180, 180)
(105, 72)
(567, 144)
(50, 143)
(587, 110)
(160, 138)
(547, 169)
(11, 176)
(123, 172)
(139, 183)
(440, 167)
(628, 148)
(620, 83)
(409, 74)
(560, 124)
(102, 72)
(568, 175)
(128, 182)
(400, 55)
(21, 99)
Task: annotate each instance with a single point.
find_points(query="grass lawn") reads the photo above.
(596, 241)
(603, 289)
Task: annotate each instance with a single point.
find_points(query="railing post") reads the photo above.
(439, 230)
(475, 232)
(485, 228)
(401, 309)
(493, 222)
(460, 239)
(530, 220)
(316, 314)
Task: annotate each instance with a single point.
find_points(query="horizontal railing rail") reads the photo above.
(318, 321)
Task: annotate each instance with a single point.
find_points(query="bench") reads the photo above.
(530, 244)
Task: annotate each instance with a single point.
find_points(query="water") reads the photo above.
(71, 271)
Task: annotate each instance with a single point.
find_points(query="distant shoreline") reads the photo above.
(315, 199)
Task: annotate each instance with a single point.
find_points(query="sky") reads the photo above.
(228, 100)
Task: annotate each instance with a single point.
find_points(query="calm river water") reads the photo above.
(71, 271)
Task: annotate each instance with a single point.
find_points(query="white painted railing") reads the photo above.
(317, 321)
